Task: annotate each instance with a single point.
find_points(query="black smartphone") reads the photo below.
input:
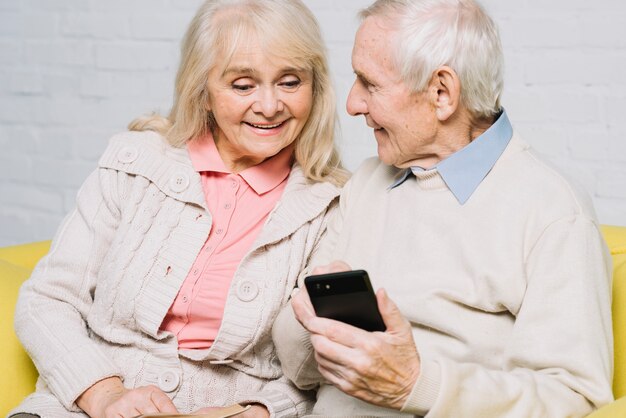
(346, 296)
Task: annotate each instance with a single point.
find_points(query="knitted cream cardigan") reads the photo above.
(93, 306)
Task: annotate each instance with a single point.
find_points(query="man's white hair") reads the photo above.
(456, 33)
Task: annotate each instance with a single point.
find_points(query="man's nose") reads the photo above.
(356, 104)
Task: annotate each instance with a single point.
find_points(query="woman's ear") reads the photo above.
(447, 85)
(206, 98)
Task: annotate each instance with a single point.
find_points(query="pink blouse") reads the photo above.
(239, 205)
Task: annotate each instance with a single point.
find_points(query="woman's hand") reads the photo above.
(256, 410)
(110, 399)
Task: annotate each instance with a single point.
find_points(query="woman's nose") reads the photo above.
(268, 102)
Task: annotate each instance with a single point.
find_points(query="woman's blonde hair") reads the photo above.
(284, 28)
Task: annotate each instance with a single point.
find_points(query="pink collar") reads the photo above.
(262, 177)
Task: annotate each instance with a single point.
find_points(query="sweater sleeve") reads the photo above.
(295, 351)
(53, 304)
(558, 362)
(282, 399)
(292, 340)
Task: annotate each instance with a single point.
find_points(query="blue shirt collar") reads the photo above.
(464, 170)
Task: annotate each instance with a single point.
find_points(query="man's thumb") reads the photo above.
(393, 318)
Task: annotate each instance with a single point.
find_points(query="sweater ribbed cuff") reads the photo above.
(76, 372)
(277, 403)
(426, 389)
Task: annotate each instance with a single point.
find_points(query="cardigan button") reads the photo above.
(179, 182)
(127, 155)
(247, 291)
(169, 381)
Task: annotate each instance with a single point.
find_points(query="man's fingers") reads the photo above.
(332, 375)
(328, 353)
(339, 355)
(300, 301)
(334, 267)
(302, 307)
(393, 318)
(339, 332)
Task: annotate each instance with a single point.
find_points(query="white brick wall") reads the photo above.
(73, 72)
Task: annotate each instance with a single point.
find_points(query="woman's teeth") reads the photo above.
(265, 126)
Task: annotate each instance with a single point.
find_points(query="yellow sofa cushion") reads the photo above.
(619, 326)
(19, 374)
(615, 237)
(616, 409)
(17, 370)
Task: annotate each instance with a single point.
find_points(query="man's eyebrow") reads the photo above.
(362, 77)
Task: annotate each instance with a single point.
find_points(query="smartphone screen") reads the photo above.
(346, 296)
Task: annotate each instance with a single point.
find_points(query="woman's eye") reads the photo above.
(290, 84)
(243, 87)
(243, 84)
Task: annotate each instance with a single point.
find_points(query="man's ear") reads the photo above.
(447, 85)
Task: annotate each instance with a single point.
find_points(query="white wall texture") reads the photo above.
(73, 72)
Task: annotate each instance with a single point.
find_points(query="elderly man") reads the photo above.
(499, 274)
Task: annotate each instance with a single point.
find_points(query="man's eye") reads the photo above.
(362, 83)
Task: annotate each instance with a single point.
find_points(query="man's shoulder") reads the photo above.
(527, 171)
(374, 172)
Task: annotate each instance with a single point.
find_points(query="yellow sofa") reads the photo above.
(19, 374)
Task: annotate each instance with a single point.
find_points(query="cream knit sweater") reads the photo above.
(508, 294)
(93, 306)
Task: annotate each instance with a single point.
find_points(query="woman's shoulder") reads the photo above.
(139, 141)
(135, 150)
(298, 182)
(147, 155)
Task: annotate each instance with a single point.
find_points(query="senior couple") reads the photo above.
(171, 287)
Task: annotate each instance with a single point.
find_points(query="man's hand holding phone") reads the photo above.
(377, 367)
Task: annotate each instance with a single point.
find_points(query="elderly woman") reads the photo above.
(160, 288)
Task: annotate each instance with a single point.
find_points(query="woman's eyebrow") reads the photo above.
(252, 71)
(239, 70)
